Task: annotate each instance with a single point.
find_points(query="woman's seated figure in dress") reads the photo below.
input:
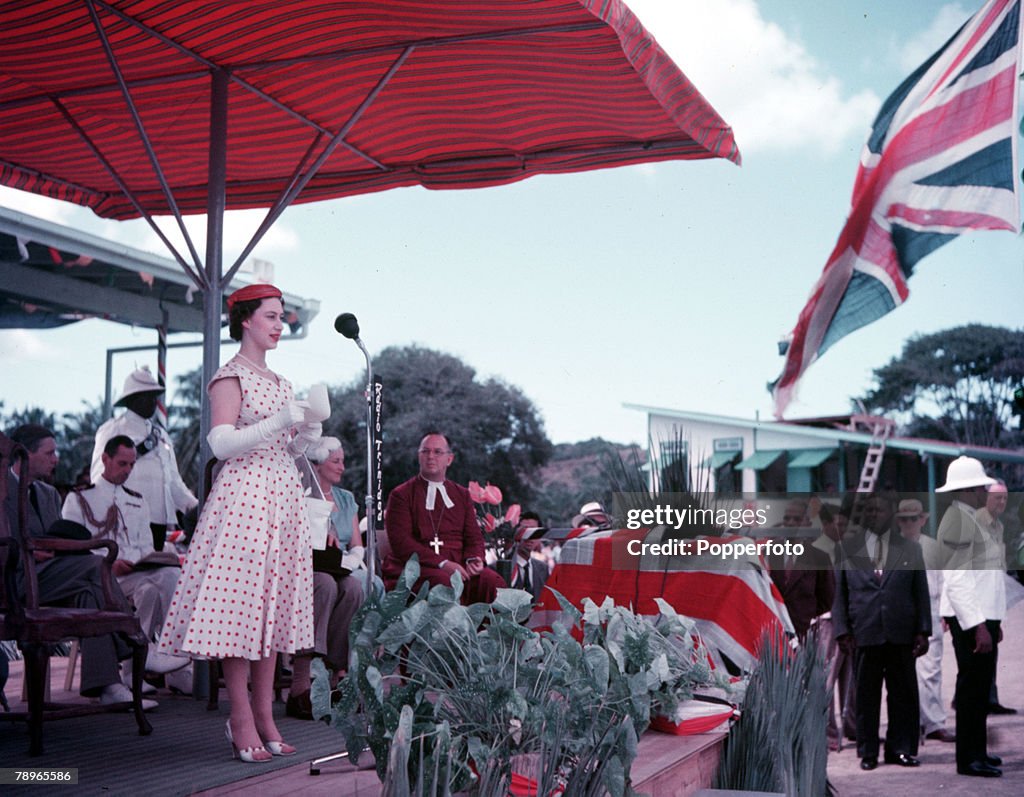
(339, 574)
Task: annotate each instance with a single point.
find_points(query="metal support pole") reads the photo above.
(933, 506)
(161, 367)
(213, 296)
(371, 514)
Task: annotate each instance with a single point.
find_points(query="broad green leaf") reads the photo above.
(373, 677)
(597, 660)
(511, 600)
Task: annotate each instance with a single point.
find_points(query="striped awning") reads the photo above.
(809, 457)
(720, 458)
(114, 111)
(760, 460)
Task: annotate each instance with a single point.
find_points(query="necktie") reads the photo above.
(879, 560)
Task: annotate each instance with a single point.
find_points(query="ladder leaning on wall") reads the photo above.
(881, 430)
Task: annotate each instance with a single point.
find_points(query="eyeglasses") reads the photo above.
(437, 452)
(908, 518)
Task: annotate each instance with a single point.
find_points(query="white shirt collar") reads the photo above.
(435, 489)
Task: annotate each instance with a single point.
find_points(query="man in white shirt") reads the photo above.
(973, 604)
(910, 520)
(989, 519)
(155, 474)
(110, 510)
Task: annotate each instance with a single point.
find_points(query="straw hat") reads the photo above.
(910, 507)
(590, 514)
(963, 474)
(141, 380)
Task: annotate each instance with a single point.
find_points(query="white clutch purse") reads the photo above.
(319, 512)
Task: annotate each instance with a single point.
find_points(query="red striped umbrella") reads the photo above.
(143, 107)
(107, 103)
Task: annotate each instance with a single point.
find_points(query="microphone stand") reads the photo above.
(371, 516)
(371, 521)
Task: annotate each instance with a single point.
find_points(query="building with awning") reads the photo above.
(813, 455)
(52, 275)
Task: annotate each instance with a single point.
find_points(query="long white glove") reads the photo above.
(226, 441)
(306, 435)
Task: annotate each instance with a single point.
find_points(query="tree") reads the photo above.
(576, 474)
(496, 432)
(183, 425)
(955, 385)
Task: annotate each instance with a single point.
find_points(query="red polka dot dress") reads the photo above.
(246, 588)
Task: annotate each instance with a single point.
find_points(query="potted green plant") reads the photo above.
(472, 693)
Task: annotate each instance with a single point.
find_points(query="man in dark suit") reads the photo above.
(882, 612)
(805, 580)
(806, 584)
(66, 580)
(529, 572)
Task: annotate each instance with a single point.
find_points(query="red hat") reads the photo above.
(261, 290)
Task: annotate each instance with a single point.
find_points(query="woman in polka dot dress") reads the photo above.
(246, 589)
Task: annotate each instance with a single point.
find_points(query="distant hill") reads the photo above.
(576, 474)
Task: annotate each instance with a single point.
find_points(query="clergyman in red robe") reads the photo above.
(434, 517)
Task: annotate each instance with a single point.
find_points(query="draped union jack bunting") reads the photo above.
(733, 602)
(941, 159)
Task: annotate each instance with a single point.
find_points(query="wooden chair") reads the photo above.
(37, 628)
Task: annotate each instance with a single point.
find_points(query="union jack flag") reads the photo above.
(941, 159)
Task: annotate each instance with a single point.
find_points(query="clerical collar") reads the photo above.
(433, 490)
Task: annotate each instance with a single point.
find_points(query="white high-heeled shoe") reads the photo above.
(280, 748)
(248, 754)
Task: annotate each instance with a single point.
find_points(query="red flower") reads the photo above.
(512, 516)
(477, 493)
(490, 523)
(492, 495)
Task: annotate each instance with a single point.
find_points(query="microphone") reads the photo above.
(347, 325)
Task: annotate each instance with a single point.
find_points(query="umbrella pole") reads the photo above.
(213, 295)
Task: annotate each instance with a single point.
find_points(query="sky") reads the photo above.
(667, 285)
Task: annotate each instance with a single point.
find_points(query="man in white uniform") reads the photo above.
(973, 604)
(910, 520)
(155, 475)
(110, 510)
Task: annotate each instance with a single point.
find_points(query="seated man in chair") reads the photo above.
(110, 510)
(434, 517)
(66, 580)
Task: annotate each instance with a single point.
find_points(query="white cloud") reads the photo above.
(239, 225)
(22, 345)
(909, 54)
(37, 205)
(766, 85)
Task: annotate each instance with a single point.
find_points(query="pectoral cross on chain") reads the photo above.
(436, 544)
